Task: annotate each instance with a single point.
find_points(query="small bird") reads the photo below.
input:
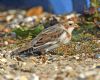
(50, 38)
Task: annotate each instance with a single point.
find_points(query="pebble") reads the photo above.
(3, 60)
(59, 78)
(29, 19)
(23, 78)
(34, 77)
(52, 58)
(6, 30)
(20, 77)
(68, 68)
(8, 77)
(76, 57)
(6, 43)
(98, 41)
(9, 18)
(87, 74)
(4, 51)
(56, 68)
(11, 11)
(13, 35)
(97, 56)
(19, 16)
(98, 67)
(17, 26)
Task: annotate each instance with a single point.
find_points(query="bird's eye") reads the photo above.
(70, 24)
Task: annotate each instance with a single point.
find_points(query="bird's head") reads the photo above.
(70, 26)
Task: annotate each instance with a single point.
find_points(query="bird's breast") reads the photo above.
(64, 39)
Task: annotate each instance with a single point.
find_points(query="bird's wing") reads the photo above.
(48, 35)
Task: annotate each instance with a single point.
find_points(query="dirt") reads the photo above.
(76, 61)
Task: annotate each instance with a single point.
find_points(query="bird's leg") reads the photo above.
(50, 49)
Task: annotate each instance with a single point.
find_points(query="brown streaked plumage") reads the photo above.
(51, 38)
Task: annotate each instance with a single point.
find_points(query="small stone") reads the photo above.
(1, 44)
(9, 18)
(71, 74)
(87, 75)
(1, 27)
(8, 77)
(28, 19)
(20, 77)
(19, 16)
(13, 34)
(98, 41)
(4, 51)
(97, 56)
(77, 57)
(68, 68)
(23, 12)
(11, 11)
(9, 51)
(56, 68)
(58, 78)
(43, 19)
(3, 60)
(34, 77)
(23, 78)
(13, 66)
(6, 42)
(2, 34)
(11, 41)
(98, 66)
(24, 63)
(7, 30)
(17, 26)
(82, 76)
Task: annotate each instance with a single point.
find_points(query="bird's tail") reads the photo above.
(26, 53)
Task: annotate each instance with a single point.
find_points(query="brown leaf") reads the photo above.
(35, 11)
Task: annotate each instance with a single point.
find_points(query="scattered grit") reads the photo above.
(76, 61)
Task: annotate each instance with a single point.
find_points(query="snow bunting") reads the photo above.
(50, 38)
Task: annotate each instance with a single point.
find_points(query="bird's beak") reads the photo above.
(77, 26)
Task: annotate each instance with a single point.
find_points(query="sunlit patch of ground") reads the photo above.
(72, 61)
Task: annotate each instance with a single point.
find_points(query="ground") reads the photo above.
(79, 60)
